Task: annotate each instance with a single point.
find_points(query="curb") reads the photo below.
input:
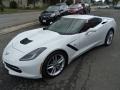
(15, 28)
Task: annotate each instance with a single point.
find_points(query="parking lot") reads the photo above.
(7, 20)
(98, 69)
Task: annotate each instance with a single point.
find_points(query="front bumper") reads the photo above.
(27, 69)
(46, 20)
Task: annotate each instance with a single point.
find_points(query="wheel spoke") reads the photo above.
(54, 59)
(50, 66)
(110, 37)
(61, 60)
(58, 67)
(53, 70)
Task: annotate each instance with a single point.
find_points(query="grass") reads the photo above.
(19, 10)
(10, 11)
(7, 11)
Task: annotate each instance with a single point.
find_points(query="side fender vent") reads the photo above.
(25, 41)
(72, 47)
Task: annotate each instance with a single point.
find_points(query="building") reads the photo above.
(37, 3)
(24, 3)
(6, 3)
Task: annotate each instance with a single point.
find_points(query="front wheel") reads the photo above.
(109, 38)
(54, 64)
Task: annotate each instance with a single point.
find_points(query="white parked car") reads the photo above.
(103, 6)
(45, 52)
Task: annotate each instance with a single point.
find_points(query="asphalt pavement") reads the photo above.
(98, 69)
(7, 20)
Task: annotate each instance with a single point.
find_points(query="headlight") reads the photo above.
(52, 15)
(32, 55)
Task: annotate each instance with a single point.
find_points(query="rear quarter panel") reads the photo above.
(111, 24)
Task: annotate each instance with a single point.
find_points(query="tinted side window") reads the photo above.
(94, 22)
(91, 24)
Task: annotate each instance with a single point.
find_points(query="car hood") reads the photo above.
(47, 13)
(73, 9)
(33, 39)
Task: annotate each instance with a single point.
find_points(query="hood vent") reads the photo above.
(25, 41)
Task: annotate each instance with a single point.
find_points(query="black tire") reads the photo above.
(45, 74)
(110, 32)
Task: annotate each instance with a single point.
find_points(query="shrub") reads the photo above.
(13, 4)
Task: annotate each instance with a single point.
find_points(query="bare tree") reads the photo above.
(34, 1)
(1, 6)
(107, 2)
(115, 2)
(65, 0)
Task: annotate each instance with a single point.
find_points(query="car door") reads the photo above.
(77, 45)
(89, 36)
(94, 34)
(80, 43)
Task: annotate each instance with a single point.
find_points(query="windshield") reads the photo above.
(75, 6)
(53, 8)
(67, 26)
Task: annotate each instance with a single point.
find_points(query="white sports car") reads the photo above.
(45, 52)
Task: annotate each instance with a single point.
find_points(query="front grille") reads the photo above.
(45, 17)
(14, 68)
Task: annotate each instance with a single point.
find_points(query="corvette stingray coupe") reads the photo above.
(45, 52)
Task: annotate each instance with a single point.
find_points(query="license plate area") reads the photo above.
(44, 21)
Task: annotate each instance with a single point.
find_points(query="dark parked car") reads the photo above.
(75, 9)
(79, 9)
(52, 13)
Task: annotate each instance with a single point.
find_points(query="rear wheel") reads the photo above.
(109, 38)
(54, 64)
